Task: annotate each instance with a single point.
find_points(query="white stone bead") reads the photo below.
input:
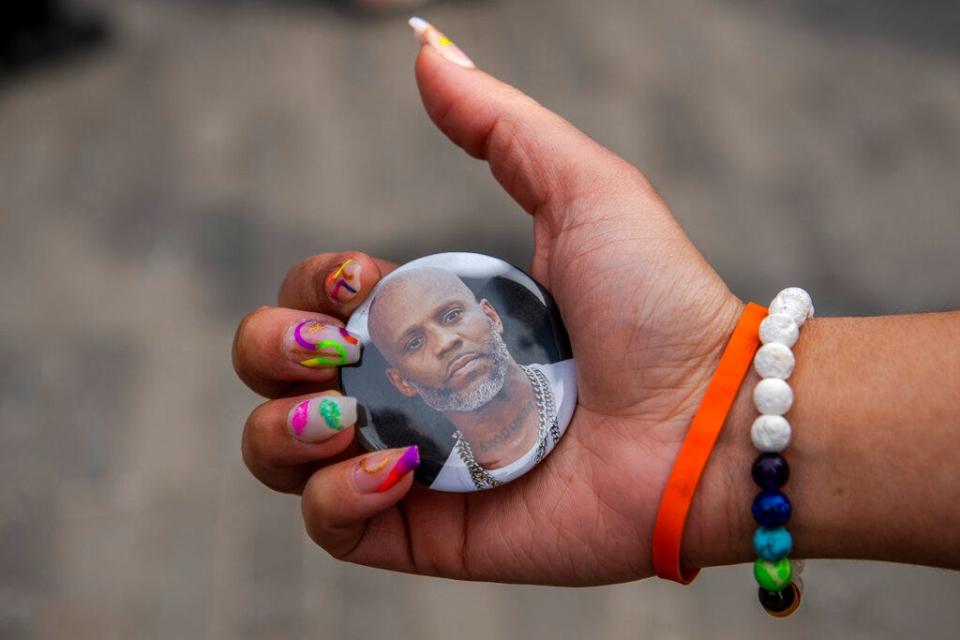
(779, 327)
(774, 360)
(773, 396)
(770, 434)
(795, 302)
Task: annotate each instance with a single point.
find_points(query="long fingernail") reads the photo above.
(344, 282)
(315, 344)
(428, 34)
(379, 471)
(319, 418)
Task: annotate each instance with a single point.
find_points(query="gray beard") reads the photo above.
(446, 399)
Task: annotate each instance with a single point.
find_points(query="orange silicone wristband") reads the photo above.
(696, 447)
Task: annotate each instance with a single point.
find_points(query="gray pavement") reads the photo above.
(155, 191)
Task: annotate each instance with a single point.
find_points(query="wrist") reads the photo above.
(721, 526)
(716, 520)
(872, 455)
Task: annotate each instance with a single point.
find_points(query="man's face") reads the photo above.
(442, 344)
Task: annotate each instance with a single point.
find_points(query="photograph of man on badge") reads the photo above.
(476, 371)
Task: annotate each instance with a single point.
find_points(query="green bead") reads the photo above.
(772, 576)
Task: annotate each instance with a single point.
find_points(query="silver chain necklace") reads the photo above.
(546, 413)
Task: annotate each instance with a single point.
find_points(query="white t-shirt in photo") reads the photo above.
(562, 377)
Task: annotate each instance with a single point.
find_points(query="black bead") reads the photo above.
(777, 601)
(770, 471)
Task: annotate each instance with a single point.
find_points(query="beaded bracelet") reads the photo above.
(780, 585)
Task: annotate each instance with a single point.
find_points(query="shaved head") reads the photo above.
(401, 291)
(441, 343)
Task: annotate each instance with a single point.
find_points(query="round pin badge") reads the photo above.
(465, 356)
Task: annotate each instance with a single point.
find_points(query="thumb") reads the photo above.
(544, 162)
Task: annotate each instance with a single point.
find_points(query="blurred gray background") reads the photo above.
(155, 190)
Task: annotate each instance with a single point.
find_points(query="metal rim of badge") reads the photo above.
(465, 356)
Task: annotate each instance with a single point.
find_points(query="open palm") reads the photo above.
(647, 318)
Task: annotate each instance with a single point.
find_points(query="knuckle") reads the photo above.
(288, 287)
(260, 450)
(255, 443)
(249, 337)
(312, 511)
(300, 282)
(336, 533)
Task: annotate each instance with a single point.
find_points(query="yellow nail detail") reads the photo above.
(336, 274)
(427, 34)
(378, 467)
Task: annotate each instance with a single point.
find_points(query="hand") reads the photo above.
(647, 318)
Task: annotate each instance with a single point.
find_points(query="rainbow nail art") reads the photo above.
(409, 461)
(344, 283)
(327, 345)
(322, 417)
(373, 475)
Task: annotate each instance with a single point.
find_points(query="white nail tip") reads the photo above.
(419, 24)
(420, 27)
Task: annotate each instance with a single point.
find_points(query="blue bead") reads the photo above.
(771, 508)
(770, 471)
(772, 544)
